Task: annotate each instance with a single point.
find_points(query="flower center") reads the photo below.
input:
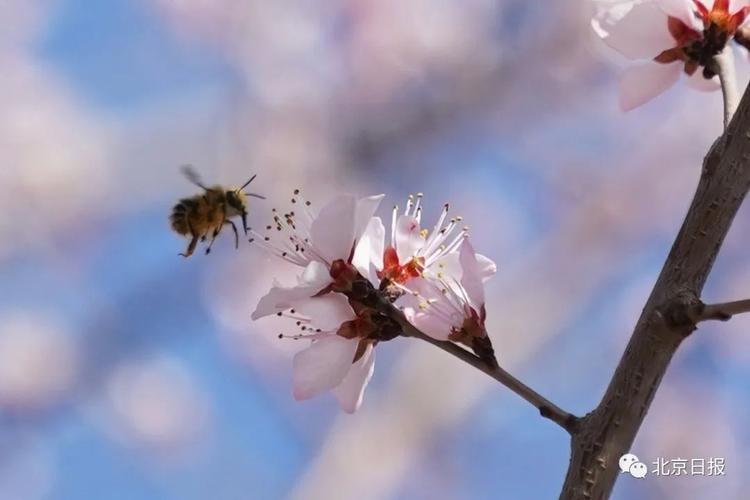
(719, 16)
(400, 273)
(698, 49)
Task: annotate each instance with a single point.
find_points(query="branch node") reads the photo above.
(569, 422)
(682, 313)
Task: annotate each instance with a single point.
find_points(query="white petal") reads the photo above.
(350, 391)
(486, 267)
(446, 267)
(435, 326)
(471, 280)
(684, 10)
(366, 208)
(408, 302)
(326, 312)
(315, 275)
(642, 82)
(609, 13)
(313, 279)
(322, 366)
(408, 238)
(369, 251)
(642, 33)
(698, 82)
(280, 298)
(332, 231)
(449, 267)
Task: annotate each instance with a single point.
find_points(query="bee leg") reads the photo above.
(236, 235)
(191, 247)
(193, 241)
(213, 238)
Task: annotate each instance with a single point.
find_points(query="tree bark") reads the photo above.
(610, 429)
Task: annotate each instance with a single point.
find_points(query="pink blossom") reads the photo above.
(450, 308)
(417, 252)
(339, 358)
(668, 38)
(315, 242)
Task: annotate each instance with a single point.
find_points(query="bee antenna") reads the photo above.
(248, 182)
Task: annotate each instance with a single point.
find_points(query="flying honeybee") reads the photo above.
(204, 215)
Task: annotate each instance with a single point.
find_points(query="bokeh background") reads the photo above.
(127, 372)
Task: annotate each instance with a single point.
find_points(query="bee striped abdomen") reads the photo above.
(180, 214)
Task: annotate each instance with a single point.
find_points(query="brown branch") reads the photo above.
(609, 430)
(546, 408)
(722, 312)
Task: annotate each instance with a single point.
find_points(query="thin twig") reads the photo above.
(722, 311)
(724, 67)
(546, 408)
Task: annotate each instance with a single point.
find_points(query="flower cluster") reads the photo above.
(433, 276)
(668, 38)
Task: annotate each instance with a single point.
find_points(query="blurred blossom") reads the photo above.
(277, 45)
(52, 145)
(155, 403)
(395, 43)
(38, 362)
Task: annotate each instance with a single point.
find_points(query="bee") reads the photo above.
(204, 215)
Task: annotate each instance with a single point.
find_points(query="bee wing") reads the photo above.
(189, 172)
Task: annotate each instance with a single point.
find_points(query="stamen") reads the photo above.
(394, 218)
(438, 238)
(409, 204)
(436, 229)
(418, 208)
(308, 336)
(299, 319)
(295, 244)
(272, 248)
(446, 249)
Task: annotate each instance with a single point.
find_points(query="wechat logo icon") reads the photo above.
(629, 463)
